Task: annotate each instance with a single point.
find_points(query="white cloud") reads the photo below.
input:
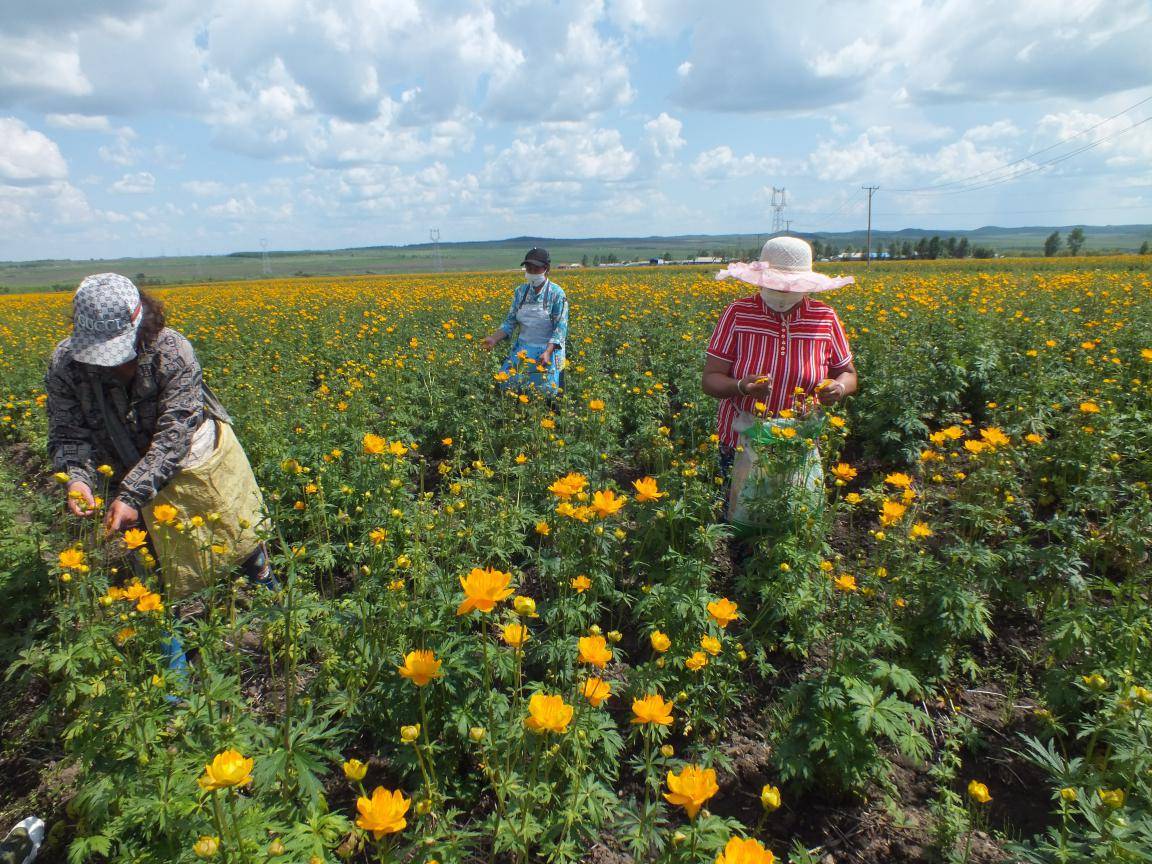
(205, 188)
(134, 184)
(28, 157)
(664, 135)
(720, 163)
(79, 122)
(32, 68)
(562, 152)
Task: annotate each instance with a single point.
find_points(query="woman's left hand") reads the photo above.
(830, 393)
(545, 359)
(120, 516)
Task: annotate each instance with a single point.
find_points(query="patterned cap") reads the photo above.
(106, 313)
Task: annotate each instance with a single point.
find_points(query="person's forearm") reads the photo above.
(848, 381)
(720, 386)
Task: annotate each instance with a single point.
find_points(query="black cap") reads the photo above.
(537, 256)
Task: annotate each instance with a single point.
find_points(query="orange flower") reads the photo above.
(740, 851)
(150, 603)
(696, 662)
(691, 788)
(646, 490)
(723, 612)
(569, 486)
(71, 559)
(134, 538)
(606, 503)
(892, 512)
(843, 471)
(374, 445)
(548, 714)
(898, 479)
(580, 584)
(383, 813)
(846, 583)
(596, 691)
(594, 650)
(420, 667)
(483, 589)
(596, 405)
(515, 635)
(660, 641)
(164, 514)
(652, 709)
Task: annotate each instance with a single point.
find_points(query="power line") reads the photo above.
(1040, 166)
(1025, 157)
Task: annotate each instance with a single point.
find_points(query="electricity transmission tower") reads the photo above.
(265, 265)
(779, 200)
(434, 235)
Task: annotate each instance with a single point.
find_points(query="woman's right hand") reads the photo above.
(85, 504)
(489, 342)
(759, 386)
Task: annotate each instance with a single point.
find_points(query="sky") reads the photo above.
(191, 127)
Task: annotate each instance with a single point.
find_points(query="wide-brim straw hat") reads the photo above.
(785, 265)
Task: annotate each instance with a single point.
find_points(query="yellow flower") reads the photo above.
(1095, 681)
(1089, 408)
(164, 514)
(355, 770)
(770, 798)
(920, 530)
(377, 536)
(105, 470)
(659, 641)
(420, 667)
(447, 442)
(596, 405)
(71, 559)
(374, 445)
(227, 769)
(844, 471)
(710, 644)
(525, 606)
(1112, 798)
(206, 846)
(750, 851)
(150, 603)
(606, 503)
(1033, 438)
(383, 813)
(993, 437)
(397, 448)
(61, 477)
(975, 447)
(652, 709)
(845, 583)
(1068, 794)
(899, 480)
(892, 512)
(515, 635)
(696, 662)
(978, 792)
(837, 422)
(410, 734)
(548, 714)
(691, 788)
(723, 612)
(594, 650)
(543, 529)
(483, 589)
(569, 486)
(646, 490)
(580, 584)
(134, 538)
(596, 691)
(852, 498)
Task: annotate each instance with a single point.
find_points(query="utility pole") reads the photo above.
(871, 190)
(434, 236)
(787, 226)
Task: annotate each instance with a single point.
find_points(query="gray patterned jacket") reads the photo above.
(142, 429)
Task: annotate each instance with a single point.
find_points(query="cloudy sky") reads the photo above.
(142, 127)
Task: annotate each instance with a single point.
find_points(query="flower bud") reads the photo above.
(409, 734)
(476, 734)
(355, 770)
(770, 798)
(206, 846)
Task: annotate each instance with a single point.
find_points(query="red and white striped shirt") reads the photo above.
(798, 348)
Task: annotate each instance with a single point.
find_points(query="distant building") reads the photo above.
(707, 260)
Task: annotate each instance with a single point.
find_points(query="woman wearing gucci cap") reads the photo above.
(540, 311)
(126, 392)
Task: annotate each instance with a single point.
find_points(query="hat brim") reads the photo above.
(761, 275)
(535, 263)
(104, 352)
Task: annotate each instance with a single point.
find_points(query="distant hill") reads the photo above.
(505, 254)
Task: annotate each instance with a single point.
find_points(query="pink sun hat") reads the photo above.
(785, 265)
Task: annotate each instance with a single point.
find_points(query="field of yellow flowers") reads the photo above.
(510, 631)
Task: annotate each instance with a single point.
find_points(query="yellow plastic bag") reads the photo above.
(223, 493)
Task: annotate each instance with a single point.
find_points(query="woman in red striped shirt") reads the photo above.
(777, 347)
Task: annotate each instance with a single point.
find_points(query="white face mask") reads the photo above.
(537, 279)
(779, 301)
